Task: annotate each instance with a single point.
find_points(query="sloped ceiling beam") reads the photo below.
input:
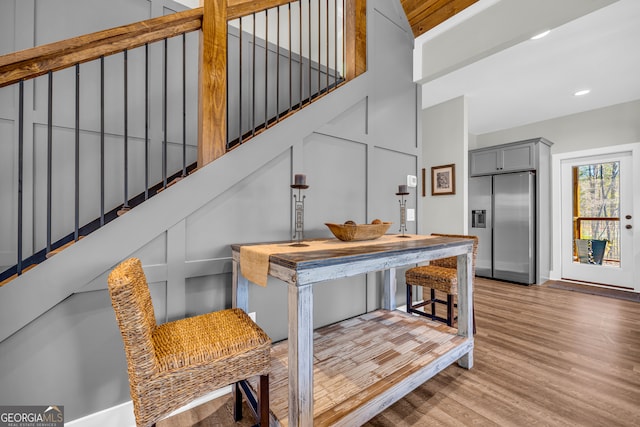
(423, 15)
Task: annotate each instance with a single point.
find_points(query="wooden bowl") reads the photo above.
(355, 232)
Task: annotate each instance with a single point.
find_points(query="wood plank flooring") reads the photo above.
(543, 356)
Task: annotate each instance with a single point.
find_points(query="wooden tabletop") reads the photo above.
(327, 257)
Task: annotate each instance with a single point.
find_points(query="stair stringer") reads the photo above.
(41, 288)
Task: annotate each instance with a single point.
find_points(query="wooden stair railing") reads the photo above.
(212, 21)
(38, 61)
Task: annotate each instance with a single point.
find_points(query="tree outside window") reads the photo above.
(596, 206)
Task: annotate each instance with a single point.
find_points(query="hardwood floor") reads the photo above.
(543, 356)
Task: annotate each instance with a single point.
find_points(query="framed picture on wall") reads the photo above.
(443, 180)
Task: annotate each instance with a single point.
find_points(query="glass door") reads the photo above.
(597, 199)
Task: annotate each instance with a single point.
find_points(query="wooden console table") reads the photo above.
(302, 270)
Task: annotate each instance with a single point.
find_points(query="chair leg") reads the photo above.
(263, 400)
(433, 303)
(237, 402)
(449, 310)
(474, 319)
(409, 298)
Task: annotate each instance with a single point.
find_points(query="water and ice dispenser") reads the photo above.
(479, 218)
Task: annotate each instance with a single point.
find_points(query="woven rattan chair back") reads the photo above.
(172, 364)
(452, 262)
(440, 275)
(133, 307)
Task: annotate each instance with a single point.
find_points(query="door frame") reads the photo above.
(556, 196)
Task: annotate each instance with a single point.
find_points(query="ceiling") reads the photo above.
(535, 80)
(423, 15)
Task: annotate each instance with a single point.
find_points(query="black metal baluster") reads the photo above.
(184, 105)
(164, 119)
(344, 40)
(309, 59)
(240, 86)
(227, 140)
(20, 172)
(327, 41)
(126, 133)
(253, 76)
(49, 157)
(102, 141)
(146, 121)
(290, 71)
(76, 229)
(335, 42)
(319, 45)
(278, 65)
(266, 67)
(300, 54)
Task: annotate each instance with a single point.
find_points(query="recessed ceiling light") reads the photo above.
(541, 35)
(582, 92)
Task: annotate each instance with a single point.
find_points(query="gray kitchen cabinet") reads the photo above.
(518, 156)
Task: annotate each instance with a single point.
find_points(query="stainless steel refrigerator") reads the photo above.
(503, 217)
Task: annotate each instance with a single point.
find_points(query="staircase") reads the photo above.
(272, 87)
(264, 77)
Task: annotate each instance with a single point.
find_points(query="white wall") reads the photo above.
(190, 3)
(614, 125)
(445, 141)
(274, 27)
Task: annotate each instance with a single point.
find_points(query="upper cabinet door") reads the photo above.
(518, 157)
(510, 158)
(484, 162)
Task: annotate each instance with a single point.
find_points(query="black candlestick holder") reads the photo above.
(403, 211)
(298, 200)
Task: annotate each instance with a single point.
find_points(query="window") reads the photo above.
(596, 207)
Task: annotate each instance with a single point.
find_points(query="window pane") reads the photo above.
(599, 190)
(597, 195)
(603, 230)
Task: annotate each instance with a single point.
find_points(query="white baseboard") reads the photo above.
(554, 275)
(119, 415)
(122, 415)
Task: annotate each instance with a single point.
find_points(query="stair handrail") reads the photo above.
(37, 61)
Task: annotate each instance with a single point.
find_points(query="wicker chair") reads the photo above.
(440, 275)
(172, 364)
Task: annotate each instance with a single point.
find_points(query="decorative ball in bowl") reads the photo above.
(350, 231)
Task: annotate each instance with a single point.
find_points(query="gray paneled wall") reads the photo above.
(183, 235)
(285, 75)
(35, 23)
(7, 150)
(252, 101)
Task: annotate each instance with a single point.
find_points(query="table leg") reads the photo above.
(240, 291)
(465, 306)
(389, 289)
(300, 355)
